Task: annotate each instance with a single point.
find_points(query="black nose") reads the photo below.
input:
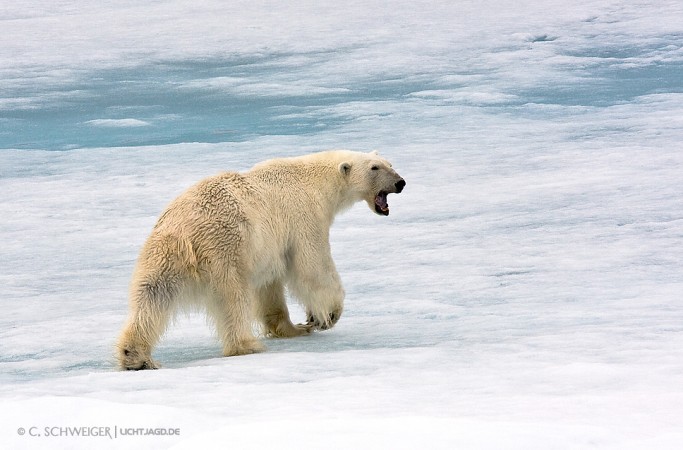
(399, 186)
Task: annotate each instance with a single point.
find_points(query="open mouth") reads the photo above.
(381, 205)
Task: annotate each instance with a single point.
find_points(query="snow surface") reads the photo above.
(525, 291)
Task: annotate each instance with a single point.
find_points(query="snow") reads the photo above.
(117, 123)
(525, 291)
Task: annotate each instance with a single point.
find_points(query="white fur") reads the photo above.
(233, 242)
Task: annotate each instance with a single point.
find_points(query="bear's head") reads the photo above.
(372, 178)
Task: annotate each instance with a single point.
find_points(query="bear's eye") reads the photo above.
(374, 168)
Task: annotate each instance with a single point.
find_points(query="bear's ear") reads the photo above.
(345, 168)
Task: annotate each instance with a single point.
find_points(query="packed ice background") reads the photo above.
(525, 291)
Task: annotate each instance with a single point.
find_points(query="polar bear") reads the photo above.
(233, 242)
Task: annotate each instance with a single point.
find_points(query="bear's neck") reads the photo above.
(318, 188)
(331, 197)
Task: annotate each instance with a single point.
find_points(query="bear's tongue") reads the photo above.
(381, 205)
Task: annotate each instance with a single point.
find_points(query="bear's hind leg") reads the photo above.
(231, 306)
(275, 315)
(152, 306)
(159, 280)
(135, 349)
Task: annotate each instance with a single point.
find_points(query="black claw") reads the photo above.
(332, 318)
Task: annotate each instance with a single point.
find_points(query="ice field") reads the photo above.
(524, 293)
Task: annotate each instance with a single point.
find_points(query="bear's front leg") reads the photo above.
(316, 323)
(275, 315)
(317, 285)
(280, 327)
